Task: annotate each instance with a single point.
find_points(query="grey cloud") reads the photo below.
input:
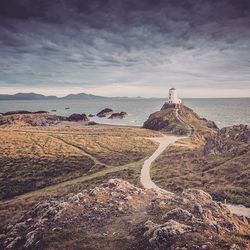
(82, 43)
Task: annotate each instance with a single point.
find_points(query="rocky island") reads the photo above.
(178, 119)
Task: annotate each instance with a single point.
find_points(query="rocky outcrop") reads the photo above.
(119, 115)
(23, 112)
(210, 124)
(180, 120)
(192, 221)
(77, 117)
(105, 112)
(91, 115)
(37, 119)
(233, 140)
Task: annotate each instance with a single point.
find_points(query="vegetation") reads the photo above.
(225, 176)
(32, 159)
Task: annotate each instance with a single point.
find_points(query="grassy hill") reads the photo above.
(219, 165)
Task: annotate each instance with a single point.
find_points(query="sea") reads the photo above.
(223, 111)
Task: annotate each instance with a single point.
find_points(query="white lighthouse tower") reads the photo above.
(173, 97)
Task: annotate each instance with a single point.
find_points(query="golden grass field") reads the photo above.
(31, 159)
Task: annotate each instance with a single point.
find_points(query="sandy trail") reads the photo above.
(146, 180)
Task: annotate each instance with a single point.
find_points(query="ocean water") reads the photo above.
(223, 111)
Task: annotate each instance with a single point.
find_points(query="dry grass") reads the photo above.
(31, 159)
(184, 165)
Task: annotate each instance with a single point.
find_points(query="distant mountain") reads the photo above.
(27, 96)
(82, 96)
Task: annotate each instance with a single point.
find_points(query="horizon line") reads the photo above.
(133, 97)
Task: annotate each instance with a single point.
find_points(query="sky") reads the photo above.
(125, 47)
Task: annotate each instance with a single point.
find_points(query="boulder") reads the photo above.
(105, 112)
(119, 115)
(77, 117)
(91, 115)
(92, 123)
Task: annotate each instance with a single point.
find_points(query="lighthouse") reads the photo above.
(173, 97)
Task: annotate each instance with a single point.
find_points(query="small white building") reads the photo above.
(173, 97)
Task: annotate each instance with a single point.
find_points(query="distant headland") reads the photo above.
(79, 96)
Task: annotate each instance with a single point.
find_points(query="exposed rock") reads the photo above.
(119, 115)
(181, 214)
(23, 112)
(91, 123)
(178, 119)
(161, 236)
(167, 105)
(233, 140)
(210, 124)
(94, 210)
(91, 115)
(37, 119)
(105, 112)
(77, 117)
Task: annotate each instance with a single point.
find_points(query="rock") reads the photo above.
(31, 238)
(233, 140)
(162, 235)
(120, 115)
(197, 195)
(24, 112)
(178, 119)
(77, 117)
(234, 247)
(91, 115)
(167, 105)
(182, 227)
(105, 112)
(92, 123)
(210, 124)
(34, 119)
(180, 214)
(2, 236)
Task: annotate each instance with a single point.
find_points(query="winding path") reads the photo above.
(146, 180)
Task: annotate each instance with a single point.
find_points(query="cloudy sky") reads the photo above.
(125, 47)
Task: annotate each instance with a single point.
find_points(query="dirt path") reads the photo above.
(146, 180)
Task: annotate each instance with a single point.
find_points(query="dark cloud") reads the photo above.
(189, 44)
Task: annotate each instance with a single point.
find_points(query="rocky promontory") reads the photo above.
(36, 119)
(111, 214)
(23, 112)
(178, 119)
